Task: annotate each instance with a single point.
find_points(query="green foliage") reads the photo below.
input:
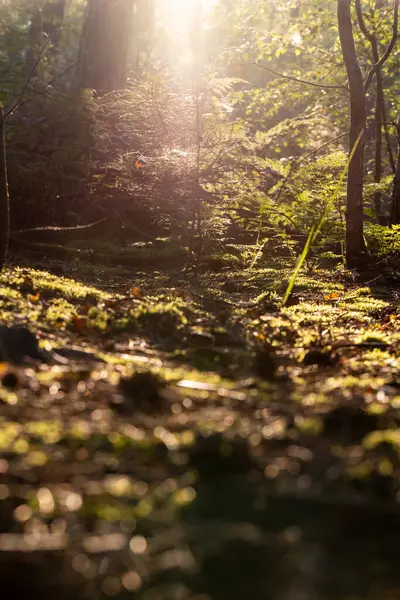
(383, 242)
(48, 160)
(317, 226)
(226, 151)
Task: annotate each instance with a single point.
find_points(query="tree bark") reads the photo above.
(355, 245)
(4, 200)
(380, 115)
(378, 140)
(105, 43)
(395, 216)
(379, 104)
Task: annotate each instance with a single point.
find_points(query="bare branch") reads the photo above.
(298, 80)
(300, 160)
(42, 92)
(361, 22)
(388, 50)
(18, 102)
(56, 228)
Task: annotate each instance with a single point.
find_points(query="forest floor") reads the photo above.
(192, 439)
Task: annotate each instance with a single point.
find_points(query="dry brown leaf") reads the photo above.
(79, 323)
(134, 292)
(34, 298)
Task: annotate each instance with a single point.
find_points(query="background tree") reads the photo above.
(355, 245)
(279, 113)
(105, 44)
(4, 200)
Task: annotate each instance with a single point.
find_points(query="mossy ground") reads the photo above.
(216, 444)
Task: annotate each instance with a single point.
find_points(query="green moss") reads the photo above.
(60, 312)
(98, 318)
(163, 319)
(373, 336)
(220, 261)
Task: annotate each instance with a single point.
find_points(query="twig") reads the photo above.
(298, 80)
(371, 37)
(300, 160)
(388, 50)
(43, 92)
(18, 102)
(303, 158)
(57, 228)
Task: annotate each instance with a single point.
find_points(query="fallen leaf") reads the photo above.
(332, 296)
(79, 323)
(134, 292)
(34, 298)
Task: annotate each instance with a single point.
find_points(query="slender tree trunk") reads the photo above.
(395, 216)
(143, 34)
(355, 246)
(378, 134)
(4, 200)
(385, 120)
(379, 102)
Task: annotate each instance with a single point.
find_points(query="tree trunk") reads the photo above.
(355, 245)
(4, 200)
(143, 34)
(379, 103)
(105, 43)
(379, 100)
(395, 216)
(389, 148)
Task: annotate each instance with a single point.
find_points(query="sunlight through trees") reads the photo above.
(199, 299)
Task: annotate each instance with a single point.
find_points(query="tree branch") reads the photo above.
(57, 228)
(388, 50)
(300, 160)
(374, 45)
(298, 80)
(41, 92)
(361, 22)
(18, 102)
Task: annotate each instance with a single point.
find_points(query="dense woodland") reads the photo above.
(199, 289)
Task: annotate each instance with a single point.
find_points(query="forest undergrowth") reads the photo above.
(174, 437)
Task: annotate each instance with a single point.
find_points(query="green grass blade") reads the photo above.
(299, 264)
(315, 229)
(336, 193)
